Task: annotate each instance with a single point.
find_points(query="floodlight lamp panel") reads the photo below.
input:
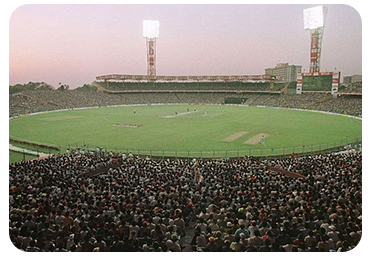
(151, 28)
(314, 17)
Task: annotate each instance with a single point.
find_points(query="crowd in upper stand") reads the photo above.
(45, 100)
(186, 86)
(353, 87)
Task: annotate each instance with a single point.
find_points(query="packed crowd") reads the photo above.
(45, 100)
(353, 87)
(343, 104)
(235, 86)
(19, 104)
(185, 205)
(316, 101)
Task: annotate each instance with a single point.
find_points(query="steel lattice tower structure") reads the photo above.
(151, 33)
(314, 21)
(315, 49)
(151, 57)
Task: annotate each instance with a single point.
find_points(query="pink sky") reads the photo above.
(74, 43)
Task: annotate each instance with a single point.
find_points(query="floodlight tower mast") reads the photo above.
(315, 49)
(151, 57)
(314, 21)
(151, 33)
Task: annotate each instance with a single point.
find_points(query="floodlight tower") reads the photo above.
(314, 21)
(151, 33)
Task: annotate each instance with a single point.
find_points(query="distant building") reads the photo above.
(284, 70)
(352, 79)
(347, 79)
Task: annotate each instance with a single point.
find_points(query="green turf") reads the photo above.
(19, 157)
(202, 130)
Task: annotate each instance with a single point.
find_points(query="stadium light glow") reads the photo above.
(315, 17)
(151, 28)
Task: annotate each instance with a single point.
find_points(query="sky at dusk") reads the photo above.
(73, 44)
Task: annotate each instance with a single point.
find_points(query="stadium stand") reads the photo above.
(132, 204)
(103, 201)
(352, 88)
(344, 104)
(200, 86)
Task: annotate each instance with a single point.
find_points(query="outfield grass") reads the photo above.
(201, 130)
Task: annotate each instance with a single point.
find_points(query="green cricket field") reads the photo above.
(193, 130)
